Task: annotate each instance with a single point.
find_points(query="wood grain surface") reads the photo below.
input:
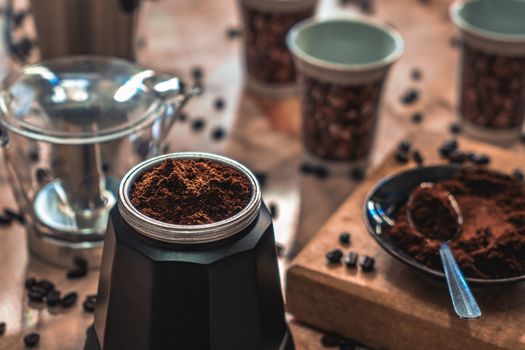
(397, 307)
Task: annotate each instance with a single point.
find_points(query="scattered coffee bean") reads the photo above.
(38, 289)
(479, 158)
(351, 259)
(418, 158)
(76, 273)
(198, 124)
(417, 117)
(52, 298)
(404, 146)
(69, 299)
(14, 215)
(89, 305)
(518, 174)
(455, 128)
(197, 73)
(30, 282)
(368, 264)
(31, 340)
(330, 340)
(345, 238)
(401, 157)
(3, 327)
(92, 297)
(334, 256)
(410, 96)
(36, 296)
(416, 74)
(274, 212)
(5, 220)
(320, 171)
(46, 284)
(357, 174)
(233, 32)
(447, 147)
(219, 103)
(457, 157)
(306, 168)
(218, 133)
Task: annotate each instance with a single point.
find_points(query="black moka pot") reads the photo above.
(165, 286)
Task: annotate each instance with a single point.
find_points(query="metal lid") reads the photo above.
(187, 234)
(84, 99)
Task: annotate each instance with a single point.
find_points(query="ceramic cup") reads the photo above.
(492, 69)
(269, 66)
(342, 64)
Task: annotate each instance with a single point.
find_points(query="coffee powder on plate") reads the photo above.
(191, 192)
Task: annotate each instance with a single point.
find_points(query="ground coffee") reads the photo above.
(191, 192)
(492, 243)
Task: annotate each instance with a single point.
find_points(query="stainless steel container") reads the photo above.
(71, 128)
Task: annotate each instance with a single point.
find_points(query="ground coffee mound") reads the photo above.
(492, 243)
(191, 192)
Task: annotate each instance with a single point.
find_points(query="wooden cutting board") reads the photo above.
(397, 307)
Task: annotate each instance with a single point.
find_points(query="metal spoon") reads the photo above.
(463, 301)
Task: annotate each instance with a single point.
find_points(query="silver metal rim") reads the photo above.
(187, 234)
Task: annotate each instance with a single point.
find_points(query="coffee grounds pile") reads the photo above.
(191, 192)
(492, 243)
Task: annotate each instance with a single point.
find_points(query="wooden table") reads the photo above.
(263, 134)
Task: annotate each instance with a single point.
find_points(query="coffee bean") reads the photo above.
(30, 282)
(334, 256)
(357, 174)
(198, 124)
(345, 238)
(5, 220)
(46, 284)
(31, 340)
(518, 174)
(38, 289)
(351, 259)
(3, 327)
(53, 298)
(77, 273)
(92, 297)
(404, 146)
(367, 264)
(36, 296)
(196, 73)
(274, 212)
(233, 32)
(418, 158)
(455, 128)
(80, 262)
(306, 168)
(320, 171)
(479, 158)
(416, 74)
(417, 117)
(457, 157)
(330, 340)
(410, 97)
(447, 147)
(219, 103)
(218, 133)
(401, 157)
(69, 299)
(88, 305)
(14, 215)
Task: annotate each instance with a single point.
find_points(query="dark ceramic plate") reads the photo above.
(389, 195)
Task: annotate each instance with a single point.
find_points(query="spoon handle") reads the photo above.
(464, 302)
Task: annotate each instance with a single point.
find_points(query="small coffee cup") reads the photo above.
(492, 70)
(342, 64)
(268, 63)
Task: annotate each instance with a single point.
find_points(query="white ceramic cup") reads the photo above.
(342, 64)
(492, 70)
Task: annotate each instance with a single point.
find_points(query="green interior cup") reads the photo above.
(349, 44)
(496, 19)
